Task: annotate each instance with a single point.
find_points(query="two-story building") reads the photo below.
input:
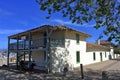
(51, 47)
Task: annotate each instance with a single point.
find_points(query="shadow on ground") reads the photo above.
(10, 73)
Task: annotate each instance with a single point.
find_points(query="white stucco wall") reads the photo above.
(112, 52)
(57, 50)
(63, 48)
(88, 57)
(73, 47)
(85, 57)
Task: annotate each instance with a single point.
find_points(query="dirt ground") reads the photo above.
(9, 73)
(91, 72)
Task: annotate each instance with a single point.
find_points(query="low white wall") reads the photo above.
(88, 57)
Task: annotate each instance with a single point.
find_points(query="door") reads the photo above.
(101, 58)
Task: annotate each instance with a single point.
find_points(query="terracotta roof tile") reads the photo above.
(95, 47)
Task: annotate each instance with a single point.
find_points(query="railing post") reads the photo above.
(81, 68)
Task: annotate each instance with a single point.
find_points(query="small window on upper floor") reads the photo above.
(77, 38)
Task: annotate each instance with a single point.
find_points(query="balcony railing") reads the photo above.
(21, 45)
(38, 43)
(24, 44)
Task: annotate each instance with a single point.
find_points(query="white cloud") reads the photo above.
(23, 22)
(4, 12)
(65, 22)
(72, 24)
(10, 31)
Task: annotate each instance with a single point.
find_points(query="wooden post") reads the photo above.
(17, 51)
(47, 41)
(104, 75)
(24, 56)
(8, 51)
(24, 51)
(29, 50)
(82, 74)
(48, 55)
(47, 50)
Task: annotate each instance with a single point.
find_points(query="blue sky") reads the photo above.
(20, 15)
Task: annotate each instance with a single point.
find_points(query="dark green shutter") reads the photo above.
(77, 56)
(94, 57)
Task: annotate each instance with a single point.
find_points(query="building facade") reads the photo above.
(51, 47)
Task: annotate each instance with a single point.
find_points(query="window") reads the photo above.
(94, 58)
(105, 54)
(77, 38)
(77, 56)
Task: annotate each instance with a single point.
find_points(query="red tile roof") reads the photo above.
(104, 43)
(96, 47)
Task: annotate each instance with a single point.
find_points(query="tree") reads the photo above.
(105, 13)
(116, 49)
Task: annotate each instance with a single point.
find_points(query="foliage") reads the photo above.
(105, 13)
(116, 51)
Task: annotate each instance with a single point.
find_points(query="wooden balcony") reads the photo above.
(38, 43)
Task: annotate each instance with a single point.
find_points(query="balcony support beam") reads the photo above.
(8, 51)
(29, 50)
(17, 51)
(48, 56)
(47, 41)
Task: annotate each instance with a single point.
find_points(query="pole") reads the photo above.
(82, 74)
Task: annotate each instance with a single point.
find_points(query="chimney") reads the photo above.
(98, 41)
